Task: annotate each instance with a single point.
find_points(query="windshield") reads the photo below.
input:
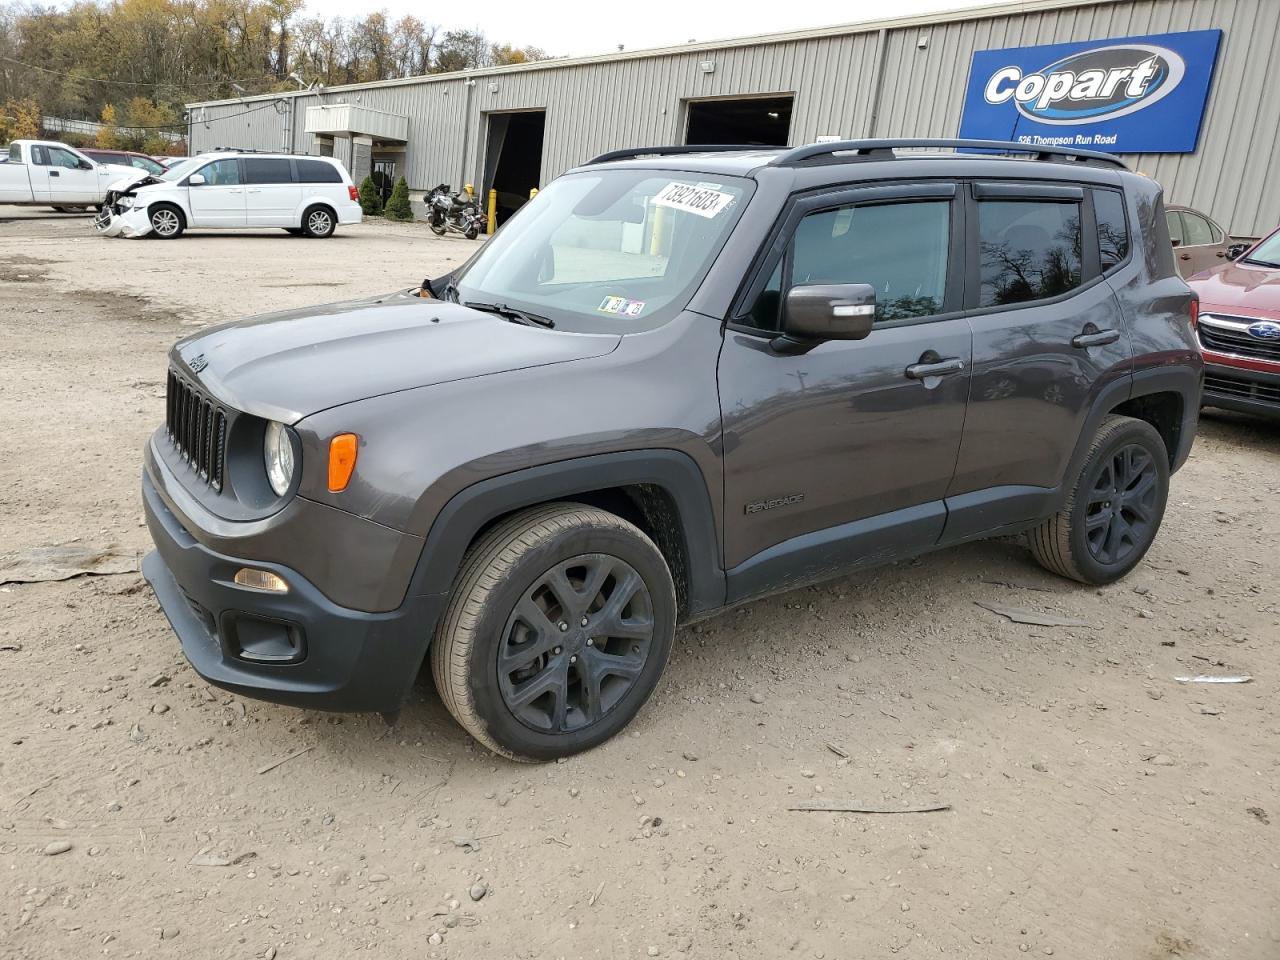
(616, 250)
(180, 170)
(1267, 253)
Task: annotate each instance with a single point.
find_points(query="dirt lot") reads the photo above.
(1099, 808)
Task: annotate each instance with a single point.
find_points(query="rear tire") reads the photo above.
(319, 222)
(557, 630)
(1112, 514)
(167, 222)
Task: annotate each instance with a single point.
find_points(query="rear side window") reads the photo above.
(15, 153)
(1198, 231)
(147, 164)
(1174, 220)
(267, 170)
(1113, 231)
(1030, 250)
(317, 171)
(898, 248)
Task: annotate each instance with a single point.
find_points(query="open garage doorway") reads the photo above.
(513, 158)
(765, 121)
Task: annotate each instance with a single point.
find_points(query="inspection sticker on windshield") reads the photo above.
(628, 308)
(700, 200)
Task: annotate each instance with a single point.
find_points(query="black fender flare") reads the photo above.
(1183, 379)
(472, 508)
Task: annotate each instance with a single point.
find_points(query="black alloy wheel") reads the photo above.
(1122, 511)
(576, 643)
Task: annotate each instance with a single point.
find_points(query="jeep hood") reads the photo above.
(288, 365)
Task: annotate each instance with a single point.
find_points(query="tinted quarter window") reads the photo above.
(1030, 250)
(1113, 233)
(317, 171)
(267, 170)
(1174, 220)
(898, 248)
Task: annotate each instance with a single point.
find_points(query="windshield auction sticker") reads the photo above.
(622, 305)
(699, 200)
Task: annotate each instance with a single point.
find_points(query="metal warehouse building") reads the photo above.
(513, 128)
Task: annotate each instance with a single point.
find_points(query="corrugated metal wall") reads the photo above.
(604, 104)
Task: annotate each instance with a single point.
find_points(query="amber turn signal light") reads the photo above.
(342, 461)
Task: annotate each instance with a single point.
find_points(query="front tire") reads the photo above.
(167, 222)
(319, 222)
(1112, 514)
(559, 626)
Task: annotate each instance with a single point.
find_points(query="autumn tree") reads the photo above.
(19, 120)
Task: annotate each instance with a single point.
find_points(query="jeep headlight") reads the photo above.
(125, 203)
(277, 450)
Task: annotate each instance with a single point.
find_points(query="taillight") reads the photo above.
(1195, 311)
(354, 191)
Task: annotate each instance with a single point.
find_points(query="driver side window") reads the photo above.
(221, 173)
(64, 158)
(901, 249)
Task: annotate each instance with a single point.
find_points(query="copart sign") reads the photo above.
(1125, 95)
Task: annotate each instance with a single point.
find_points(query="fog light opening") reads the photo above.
(260, 580)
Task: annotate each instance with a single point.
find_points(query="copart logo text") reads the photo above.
(1096, 84)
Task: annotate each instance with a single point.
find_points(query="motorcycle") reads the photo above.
(455, 212)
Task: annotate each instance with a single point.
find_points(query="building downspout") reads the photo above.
(882, 49)
(469, 84)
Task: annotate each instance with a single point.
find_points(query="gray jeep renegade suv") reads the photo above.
(678, 379)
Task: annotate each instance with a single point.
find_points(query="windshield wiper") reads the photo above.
(512, 314)
(1261, 263)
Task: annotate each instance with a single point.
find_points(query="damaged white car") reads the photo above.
(306, 196)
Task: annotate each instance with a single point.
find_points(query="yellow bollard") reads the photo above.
(533, 193)
(492, 225)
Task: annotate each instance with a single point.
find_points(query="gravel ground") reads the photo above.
(1098, 808)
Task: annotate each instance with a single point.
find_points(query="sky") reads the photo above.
(580, 29)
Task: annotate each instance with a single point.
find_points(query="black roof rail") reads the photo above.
(632, 152)
(882, 149)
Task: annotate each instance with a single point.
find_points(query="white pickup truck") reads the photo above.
(50, 174)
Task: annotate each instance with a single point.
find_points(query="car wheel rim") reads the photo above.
(575, 644)
(165, 222)
(319, 223)
(1122, 510)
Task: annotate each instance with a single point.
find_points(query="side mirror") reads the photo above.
(816, 312)
(1236, 249)
(1176, 242)
(195, 180)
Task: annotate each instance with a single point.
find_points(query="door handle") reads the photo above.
(1185, 256)
(54, 173)
(1098, 338)
(940, 368)
(253, 191)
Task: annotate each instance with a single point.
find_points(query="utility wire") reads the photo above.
(134, 83)
(270, 104)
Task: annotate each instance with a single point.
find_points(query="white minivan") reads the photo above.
(305, 195)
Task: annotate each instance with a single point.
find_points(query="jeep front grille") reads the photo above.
(1223, 334)
(197, 428)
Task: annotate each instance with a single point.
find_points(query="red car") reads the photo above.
(1239, 330)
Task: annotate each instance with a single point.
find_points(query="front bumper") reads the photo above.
(297, 648)
(114, 222)
(1247, 389)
